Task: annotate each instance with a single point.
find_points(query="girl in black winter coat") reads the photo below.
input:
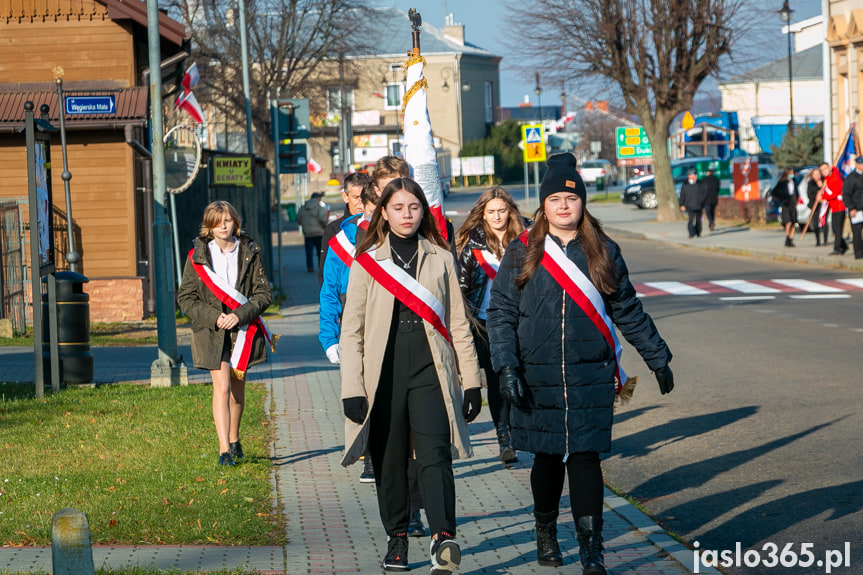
(561, 289)
(493, 222)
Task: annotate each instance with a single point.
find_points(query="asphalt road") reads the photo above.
(759, 442)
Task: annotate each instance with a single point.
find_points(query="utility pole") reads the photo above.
(168, 369)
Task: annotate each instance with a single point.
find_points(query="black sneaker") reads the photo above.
(226, 459)
(396, 558)
(368, 474)
(445, 554)
(236, 450)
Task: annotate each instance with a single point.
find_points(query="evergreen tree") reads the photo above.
(805, 147)
(502, 143)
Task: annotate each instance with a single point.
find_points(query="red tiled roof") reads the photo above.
(131, 108)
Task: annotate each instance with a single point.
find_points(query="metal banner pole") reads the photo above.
(526, 187)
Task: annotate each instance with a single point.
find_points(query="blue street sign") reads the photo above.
(91, 105)
(532, 135)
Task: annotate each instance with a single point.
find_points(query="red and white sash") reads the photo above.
(487, 261)
(406, 289)
(228, 295)
(582, 291)
(342, 246)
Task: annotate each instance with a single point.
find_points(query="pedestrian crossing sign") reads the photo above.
(533, 143)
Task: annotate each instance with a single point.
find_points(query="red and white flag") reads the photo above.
(189, 104)
(314, 167)
(191, 77)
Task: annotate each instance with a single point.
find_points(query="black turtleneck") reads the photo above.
(404, 250)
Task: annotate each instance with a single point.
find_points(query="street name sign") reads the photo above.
(534, 143)
(91, 105)
(632, 143)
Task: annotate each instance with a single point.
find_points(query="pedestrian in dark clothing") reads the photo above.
(407, 359)
(711, 197)
(224, 292)
(691, 201)
(852, 192)
(352, 197)
(785, 192)
(561, 289)
(493, 222)
(813, 190)
(313, 217)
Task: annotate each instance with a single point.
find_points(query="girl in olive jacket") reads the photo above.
(221, 250)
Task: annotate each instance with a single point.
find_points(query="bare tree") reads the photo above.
(655, 52)
(289, 42)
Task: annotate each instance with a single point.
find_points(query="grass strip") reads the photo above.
(141, 462)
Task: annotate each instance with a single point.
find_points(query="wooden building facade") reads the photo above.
(99, 48)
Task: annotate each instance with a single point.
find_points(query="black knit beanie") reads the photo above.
(561, 177)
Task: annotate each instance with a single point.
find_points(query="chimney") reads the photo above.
(453, 30)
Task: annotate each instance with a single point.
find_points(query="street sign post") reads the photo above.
(533, 139)
(90, 105)
(632, 143)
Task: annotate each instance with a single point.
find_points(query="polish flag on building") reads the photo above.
(189, 104)
(315, 167)
(191, 77)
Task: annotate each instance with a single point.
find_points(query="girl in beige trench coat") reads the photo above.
(400, 373)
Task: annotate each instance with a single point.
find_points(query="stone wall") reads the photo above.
(120, 299)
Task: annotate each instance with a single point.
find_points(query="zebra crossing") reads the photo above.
(755, 289)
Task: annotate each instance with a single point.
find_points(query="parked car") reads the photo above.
(641, 192)
(590, 170)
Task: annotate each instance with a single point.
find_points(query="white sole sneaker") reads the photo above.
(446, 558)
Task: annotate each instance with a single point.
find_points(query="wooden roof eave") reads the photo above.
(169, 29)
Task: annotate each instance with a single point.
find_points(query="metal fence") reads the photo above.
(15, 292)
(253, 204)
(13, 303)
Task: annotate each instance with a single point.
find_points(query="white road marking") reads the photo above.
(822, 296)
(806, 285)
(677, 288)
(856, 282)
(744, 286)
(747, 298)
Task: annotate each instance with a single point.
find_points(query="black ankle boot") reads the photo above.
(507, 453)
(547, 548)
(589, 532)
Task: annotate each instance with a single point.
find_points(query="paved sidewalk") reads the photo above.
(332, 520)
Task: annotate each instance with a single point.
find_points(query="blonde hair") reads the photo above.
(475, 219)
(390, 167)
(213, 215)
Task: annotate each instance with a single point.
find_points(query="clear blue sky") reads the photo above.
(486, 26)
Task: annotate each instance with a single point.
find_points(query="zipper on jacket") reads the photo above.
(563, 374)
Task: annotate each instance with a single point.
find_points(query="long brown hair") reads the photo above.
(379, 227)
(476, 219)
(593, 240)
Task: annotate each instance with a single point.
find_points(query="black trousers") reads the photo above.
(585, 484)
(837, 222)
(498, 407)
(313, 251)
(710, 212)
(409, 403)
(694, 224)
(857, 240)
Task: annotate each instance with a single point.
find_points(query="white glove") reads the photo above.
(333, 354)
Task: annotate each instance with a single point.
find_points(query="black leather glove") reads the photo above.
(512, 387)
(472, 403)
(356, 409)
(665, 379)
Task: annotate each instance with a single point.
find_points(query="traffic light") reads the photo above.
(291, 123)
(293, 119)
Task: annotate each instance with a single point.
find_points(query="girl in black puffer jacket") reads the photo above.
(493, 222)
(560, 291)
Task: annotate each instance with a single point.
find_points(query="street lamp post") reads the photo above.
(785, 16)
(538, 92)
